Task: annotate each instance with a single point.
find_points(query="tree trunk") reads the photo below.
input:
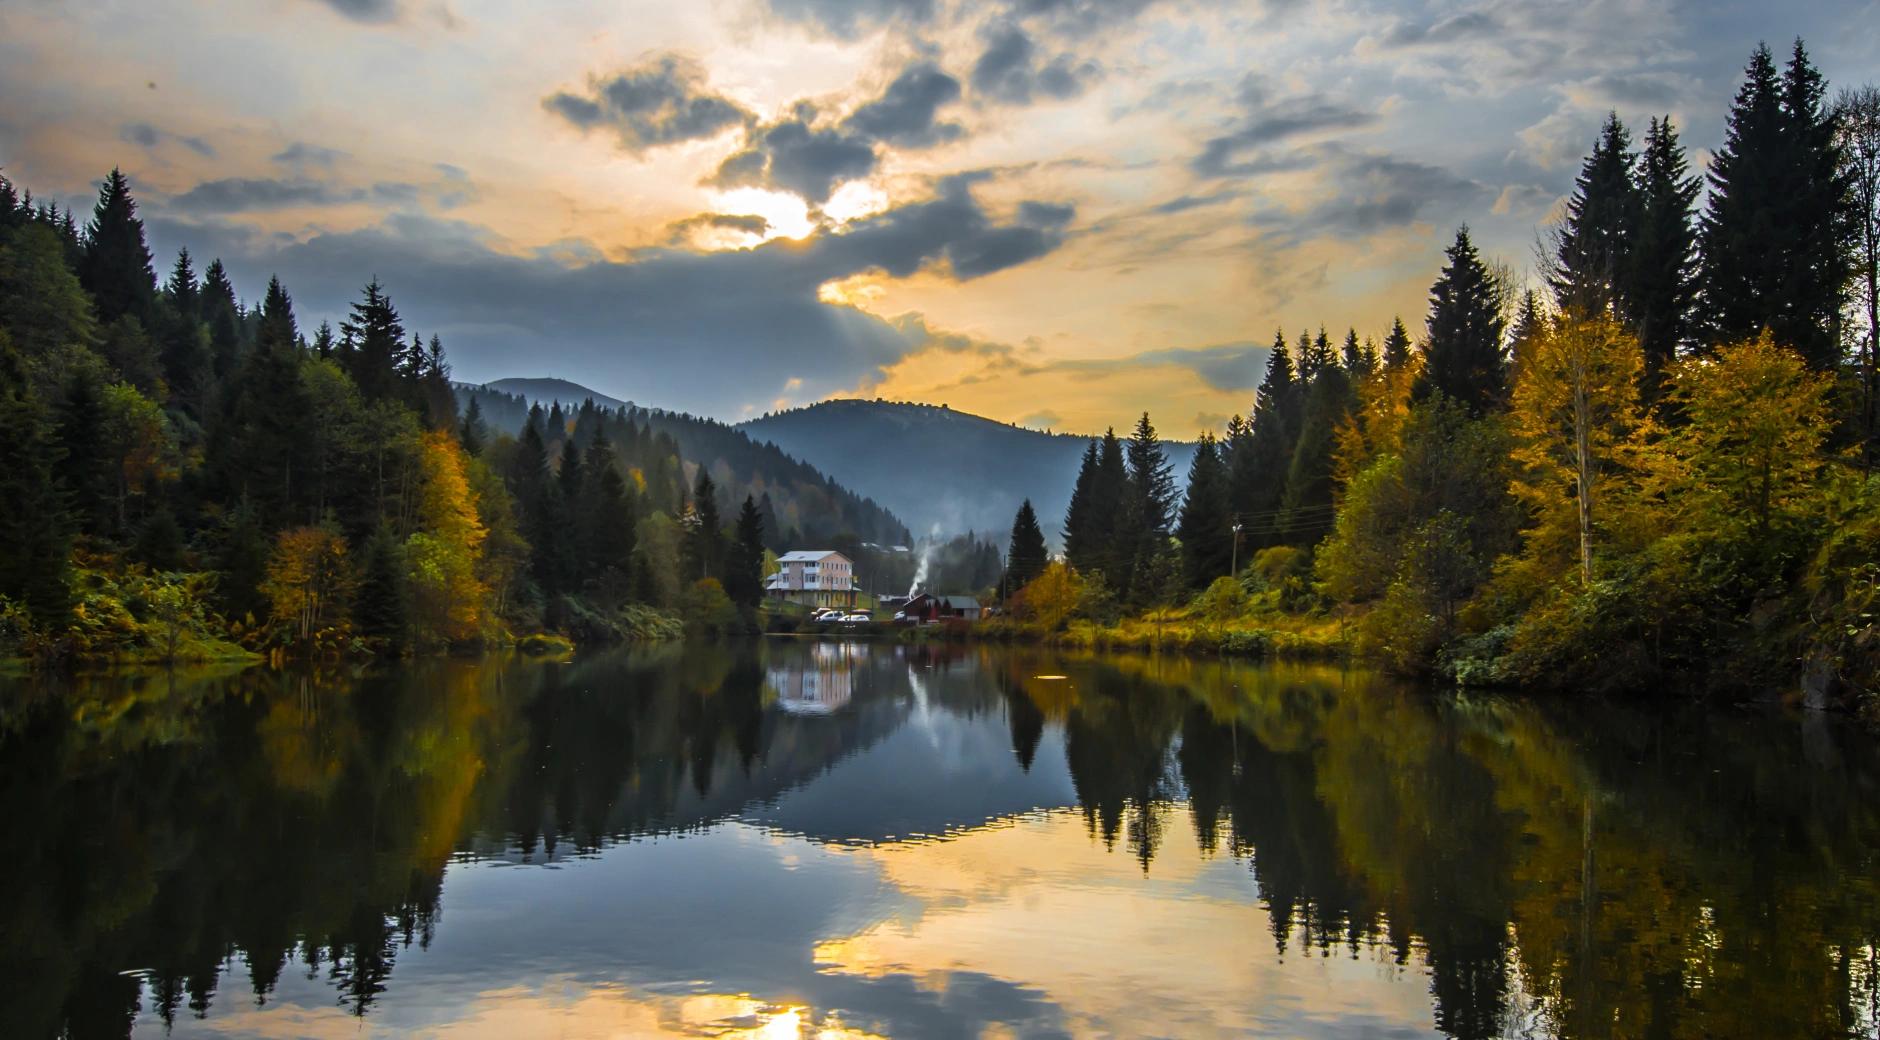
(1583, 464)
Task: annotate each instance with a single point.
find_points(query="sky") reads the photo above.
(1052, 212)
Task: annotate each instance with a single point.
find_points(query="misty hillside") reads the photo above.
(805, 504)
(935, 466)
(551, 391)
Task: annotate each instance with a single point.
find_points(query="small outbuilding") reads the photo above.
(926, 608)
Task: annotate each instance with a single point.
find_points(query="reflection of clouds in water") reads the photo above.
(1027, 927)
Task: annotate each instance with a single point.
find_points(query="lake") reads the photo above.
(850, 840)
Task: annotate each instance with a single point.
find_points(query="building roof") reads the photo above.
(808, 555)
(961, 602)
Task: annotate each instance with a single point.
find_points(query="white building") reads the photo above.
(814, 578)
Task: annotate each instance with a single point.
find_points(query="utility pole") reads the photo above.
(1234, 569)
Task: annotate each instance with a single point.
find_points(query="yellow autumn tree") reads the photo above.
(1580, 431)
(1751, 447)
(445, 594)
(306, 578)
(1374, 426)
(1051, 597)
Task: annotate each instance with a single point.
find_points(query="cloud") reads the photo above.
(1470, 25)
(300, 153)
(1361, 194)
(796, 157)
(661, 102)
(371, 12)
(1009, 68)
(680, 231)
(1042, 420)
(665, 326)
(1264, 121)
(906, 113)
(243, 194)
(846, 17)
(149, 137)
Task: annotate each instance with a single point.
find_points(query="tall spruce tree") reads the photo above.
(1463, 350)
(704, 535)
(473, 433)
(35, 537)
(1149, 501)
(115, 268)
(221, 312)
(1258, 477)
(744, 572)
(1593, 248)
(1772, 247)
(1661, 289)
(1026, 556)
(1306, 505)
(1081, 523)
(1206, 526)
(1396, 346)
(378, 337)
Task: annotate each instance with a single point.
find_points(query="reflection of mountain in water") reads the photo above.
(1598, 871)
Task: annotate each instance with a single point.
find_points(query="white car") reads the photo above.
(851, 618)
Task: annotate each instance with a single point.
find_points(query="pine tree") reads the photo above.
(86, 466)
(116, 264)
(1026, 556)
(744, 576)
(1593, 249)
(605, 515)
(1149, 500)
(473, 433)
(1082, 526)
(1661, 290)
(1257, 479)
(378, 337)
(1772, 246)
(1306, 505)
(704, 536)
(1530, 322)
(1396, 346)
(379, 605)
(1206, 527)
(222, 314)
(35, 537)
(184, 346)
(1463, 355)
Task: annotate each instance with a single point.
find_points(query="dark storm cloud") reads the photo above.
(149, 137)
(1010, 69)
(368, 11)
(802, 155)
(243, 194)
(664, 101)
(950, 228)
(665, 327)
(907, 113)
(796, 157)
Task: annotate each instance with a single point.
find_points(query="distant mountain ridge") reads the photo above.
(937, 467)
(934, 468)
(801, 503)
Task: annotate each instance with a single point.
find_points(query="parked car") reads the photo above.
(860, 615)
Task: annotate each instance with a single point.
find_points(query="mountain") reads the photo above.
(550, 391)
(939, 468)
(804, 505)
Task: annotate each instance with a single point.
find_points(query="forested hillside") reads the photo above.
(1650, 467)
(800, 505)
(188, 475)
(935, 467)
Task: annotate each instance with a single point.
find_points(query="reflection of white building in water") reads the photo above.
(817, 690)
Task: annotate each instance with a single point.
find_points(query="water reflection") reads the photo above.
(850, 840)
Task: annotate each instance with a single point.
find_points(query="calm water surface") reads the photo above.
(829, 840)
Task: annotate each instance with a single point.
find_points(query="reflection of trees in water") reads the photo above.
(1565, 869)
(1579, 870)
